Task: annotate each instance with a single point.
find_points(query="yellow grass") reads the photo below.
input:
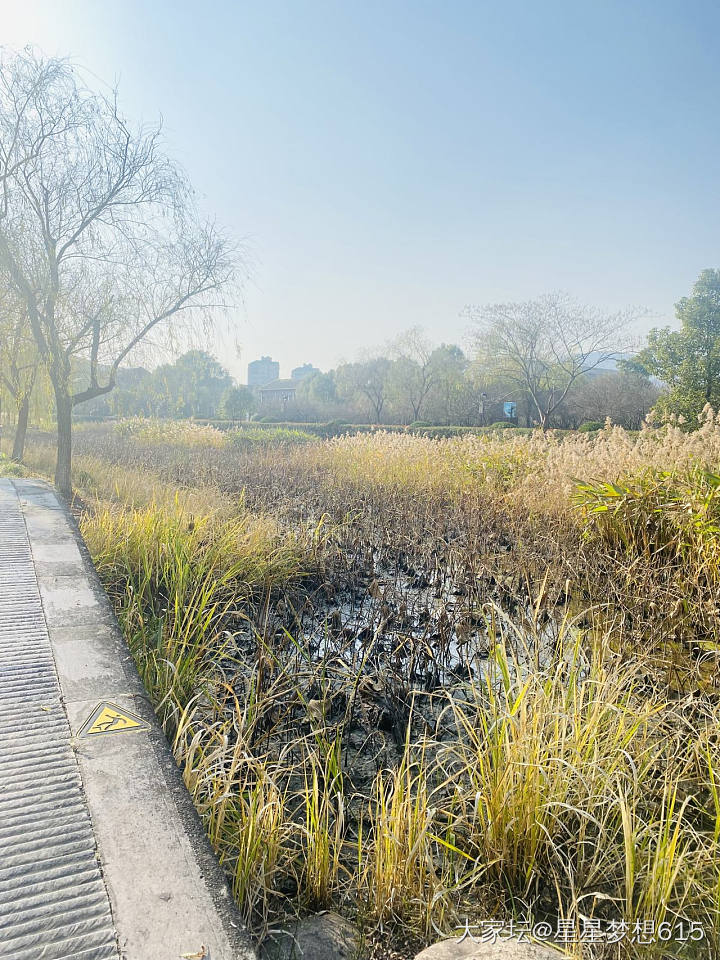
(577, 784)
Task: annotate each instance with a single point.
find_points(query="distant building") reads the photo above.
(277, 393)
(262, 371)
(306, 370)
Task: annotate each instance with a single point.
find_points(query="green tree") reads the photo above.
(236, 403)
(319, 390)
(451, 398)
(688, 360)
(191, 387)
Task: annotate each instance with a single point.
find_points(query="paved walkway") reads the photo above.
(102, 856)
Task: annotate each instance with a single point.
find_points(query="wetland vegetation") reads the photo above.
(430, 681)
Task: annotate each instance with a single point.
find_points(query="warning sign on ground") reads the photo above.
(107, 718)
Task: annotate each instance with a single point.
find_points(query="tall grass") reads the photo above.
(176, 577)
(10, 468)
(556, 794)
(574, 773)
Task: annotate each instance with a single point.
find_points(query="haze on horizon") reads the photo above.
(387, 164)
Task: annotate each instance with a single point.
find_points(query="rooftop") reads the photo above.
(279, 385)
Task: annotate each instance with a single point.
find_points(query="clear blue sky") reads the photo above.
(388, 162)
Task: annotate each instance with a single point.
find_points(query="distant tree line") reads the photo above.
(409, 381)
(546, 363)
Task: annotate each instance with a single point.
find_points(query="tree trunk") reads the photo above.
(63, 464)
(18, 451)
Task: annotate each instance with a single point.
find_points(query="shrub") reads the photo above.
(590, 425)
(269, 435)
(9, 468)
(334, 428)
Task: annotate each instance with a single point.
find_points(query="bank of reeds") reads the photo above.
(175, 578)
(573, 775)
(567, 790)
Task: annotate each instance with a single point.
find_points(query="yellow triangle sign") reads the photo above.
(108, 718)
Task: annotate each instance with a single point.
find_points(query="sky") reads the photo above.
(386, 164)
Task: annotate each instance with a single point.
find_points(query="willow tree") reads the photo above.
(19, 362)
(99, 234)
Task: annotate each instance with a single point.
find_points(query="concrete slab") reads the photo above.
(93, 664)
(166, 890)
(68, 601)
(58, 559)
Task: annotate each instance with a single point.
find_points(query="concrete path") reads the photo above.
(102, 856)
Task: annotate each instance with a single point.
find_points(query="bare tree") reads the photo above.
(544, 346)
(367, 379)
(99, 234)
(414, 371)
(623, 395)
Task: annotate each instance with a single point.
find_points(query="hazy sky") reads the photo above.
(388, 163)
